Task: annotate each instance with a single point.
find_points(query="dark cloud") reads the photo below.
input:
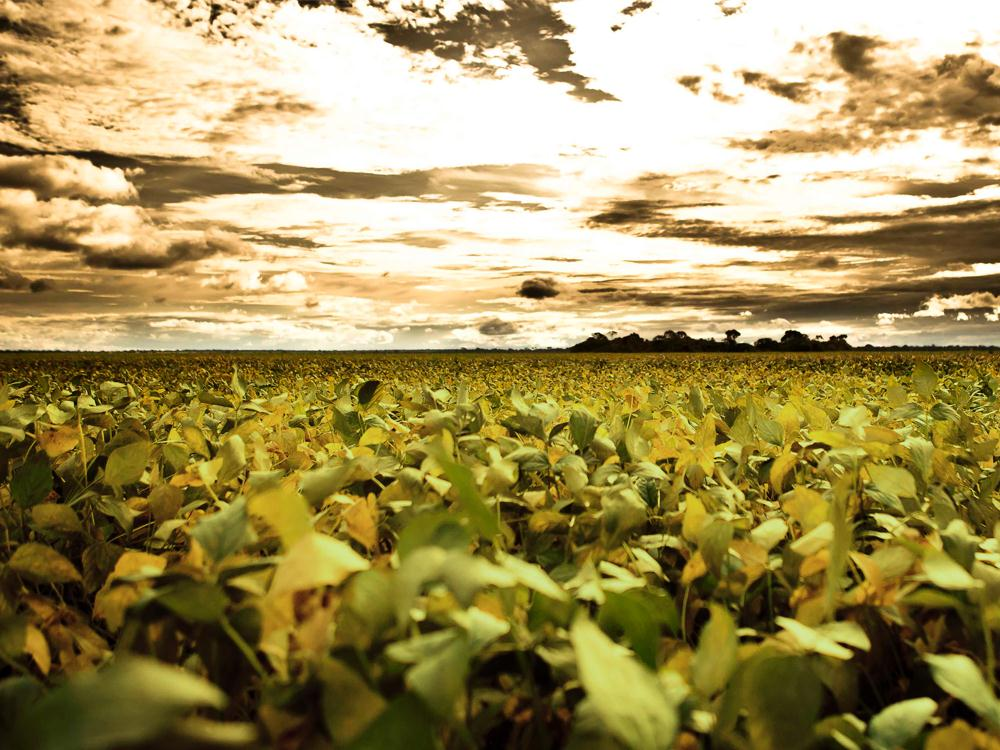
(534, 28)
(497, 327)
(805, 141)
(796, 91)
(36, 214)
(13, 106)
(828, 261)
(638, 6)
(268, 103)
(730, 7)
(691, 83)
(272, 107)
(11, 280)
(14, 281)
(161, 181)
(721, 95)
(853, 53)
(933, 235)
(956, 94)
(140, 256)
(953, 189)
(775, 301)
(539, 288)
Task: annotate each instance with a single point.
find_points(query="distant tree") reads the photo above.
(731, 335)
(794, 337)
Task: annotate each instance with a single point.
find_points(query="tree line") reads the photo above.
(679, 341)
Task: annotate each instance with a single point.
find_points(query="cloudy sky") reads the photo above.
(497, 173)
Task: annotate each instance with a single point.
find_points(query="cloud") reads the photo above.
(157, 251)
(254, 280)
(13, 108)
(958, 94)
(853, 53)
(42, 206)
(61, 176)
(539, 288)
(796, 91)
(12, 280)
(952, 189)
(637, 6)
(497, 327)
(486, 37)
(937, 306)
(967, 232)
(106, 235)
(691, 83)
(160, 181)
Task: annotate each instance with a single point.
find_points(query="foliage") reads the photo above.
(428, 551)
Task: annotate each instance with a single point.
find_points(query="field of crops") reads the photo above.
(504, 551)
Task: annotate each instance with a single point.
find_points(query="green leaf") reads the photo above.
(945, 573)
(532, 576)
(348, 703)
(234, 459)
(42, 564)
(924, 380)
(134, 701)
(629, 698)
(367, 390)
(404, 725)
(439, 677)
(583, 427)
(782, 697)
(126, 464)
(960, 677)
(641, 616)
(31, 482)
(194, 601)
(716, 658)
(826, 639)
(484, 519)
(899, 723)
(226, 531)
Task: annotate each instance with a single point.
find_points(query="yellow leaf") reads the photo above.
(694, 569)
(42, 564)
(316, 560)
(135, 562)
(59, 441)
(285, 511)
(781, 468)
(361, 520)
(373, 436)
(37, 648)
(806, 506)
(695, 518)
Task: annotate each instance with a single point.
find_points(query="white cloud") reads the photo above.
(937, 306)
(57, 176)
(254, 280)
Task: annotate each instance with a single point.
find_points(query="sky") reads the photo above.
(401, 174)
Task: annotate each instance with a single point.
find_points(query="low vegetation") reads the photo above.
(684, 551)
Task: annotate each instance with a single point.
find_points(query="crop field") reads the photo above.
(508, 551)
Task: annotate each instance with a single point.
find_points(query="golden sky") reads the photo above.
(496, 173)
